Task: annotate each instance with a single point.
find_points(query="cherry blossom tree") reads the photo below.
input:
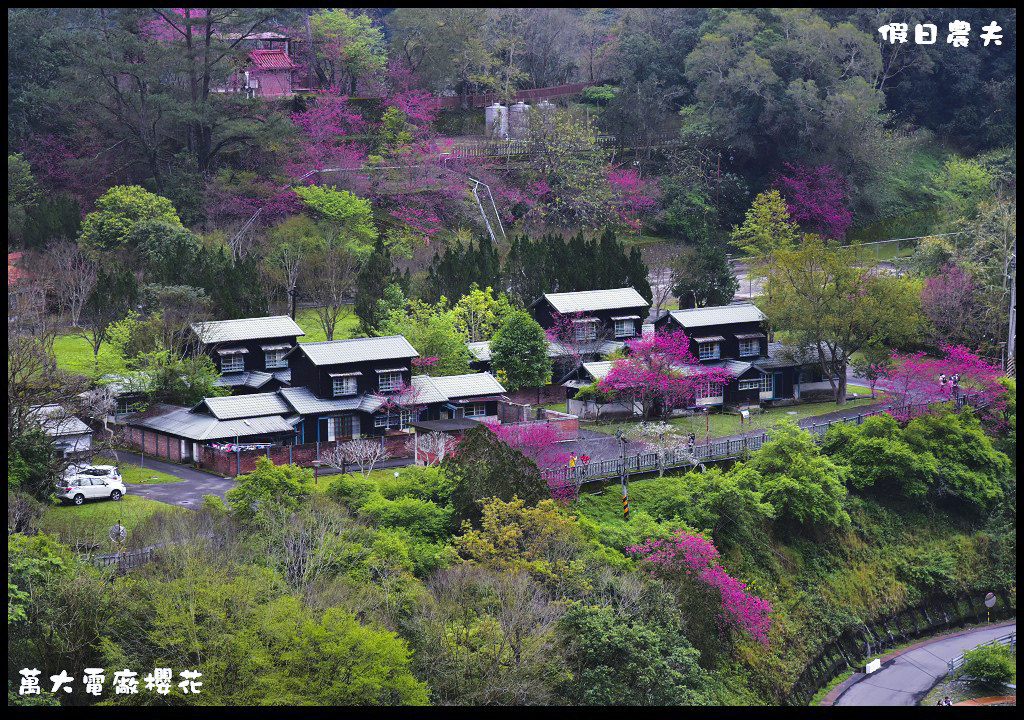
(697, 557)
(816, 198)
(364, 454)
(633, 195)
(571, 333)
(661, 373)
(432, 447)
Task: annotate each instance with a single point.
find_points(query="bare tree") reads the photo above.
(73, 277)
(33, 379)
(363, 453)
(331, 284)
(659, 263)
(436, 445)
(663, 438)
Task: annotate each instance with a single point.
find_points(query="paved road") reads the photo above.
(187, 493)
(912, 675)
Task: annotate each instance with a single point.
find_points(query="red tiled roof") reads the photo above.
(14, 273)
(272, 60)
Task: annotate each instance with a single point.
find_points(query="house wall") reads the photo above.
(244, 461)
(542, 312)
(730, 348)
(255, 359)
(434, 410)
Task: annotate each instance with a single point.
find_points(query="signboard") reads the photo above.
(990, 600)
(873, 666)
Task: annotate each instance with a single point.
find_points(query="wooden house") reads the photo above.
(616, 314)
(250, 352)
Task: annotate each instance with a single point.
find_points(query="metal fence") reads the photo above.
(956, 663)
(717, 450)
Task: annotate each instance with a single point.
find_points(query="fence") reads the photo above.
(123, 562)
(504, 148)
(717, 450)
(240, 462)
(958, 662)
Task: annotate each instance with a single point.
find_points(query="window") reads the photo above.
(389, 380)
(476, 409)
(750, 384)
(708, 351)
(275, 359)
(585, 330)
(750, 347)
(707, 390)
(624, 328)
(766, 383)
(344, 386)
(232, 363)
(399, 420)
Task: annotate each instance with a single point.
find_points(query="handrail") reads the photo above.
(958, 662)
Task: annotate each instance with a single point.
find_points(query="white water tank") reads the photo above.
(496, 121)
(518, 122)
(547, 110)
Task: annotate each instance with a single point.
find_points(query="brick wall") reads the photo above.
(242, 462)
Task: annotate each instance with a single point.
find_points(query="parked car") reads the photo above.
(91, 482)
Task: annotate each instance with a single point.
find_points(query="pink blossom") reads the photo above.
(816, 198)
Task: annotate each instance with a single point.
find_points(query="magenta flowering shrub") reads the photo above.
(816, 198)
(633, 195)
(916, 379)
(326, 129)
(697, 557)
(661, 371)
(424, 362)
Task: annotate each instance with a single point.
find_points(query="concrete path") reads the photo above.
(909, 676)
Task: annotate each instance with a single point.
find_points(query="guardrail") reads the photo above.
(958, 662)
(718, 450)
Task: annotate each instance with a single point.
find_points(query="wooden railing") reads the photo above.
(719, 450)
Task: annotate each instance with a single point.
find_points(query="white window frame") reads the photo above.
(344, 386)
(401, 419)
(228, 363)
(389, 380)
(752, 384)
(275, 359)
(750, 347)
(477, 409)
(707, 390)
(585, 330)
(712, 351)
(768, 383)
(622, 329)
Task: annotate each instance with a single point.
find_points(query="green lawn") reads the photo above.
(557, 407)
(135, 475)
(719, 425)
(89, 523)
(307, 319)
(75, 355)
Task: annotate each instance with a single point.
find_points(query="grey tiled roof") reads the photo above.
(605, 347)
(598, 370)
(57, 422)
(469, 385)
(198, 426)
(480, 350)
(333, 352)
(245, 406)
(426, 390)
(219, 331)
(253, 379)
(780, 355)
(590, 300)
(717, 315)
(736, 367)
(305, 402)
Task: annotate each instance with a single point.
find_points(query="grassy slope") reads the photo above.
(135, 475)
(307, 319)
(90, 522)
(75, 355)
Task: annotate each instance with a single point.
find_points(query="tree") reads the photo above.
(660, 374)
(22, 195)
(119, 211)
(170, 254)
(116, 292)
(168, 378)
(619, 660)
(819, 296)
(701, 276)
(519, 353)
(767, 227)
(349, 46)
(816, 199)
(268, 486)
(990, 665)
(954, 308)
(374, 277)
(74, 277)
(805, 487)
(483, 466)
(479, 314)
(294, 242)
(363, 453)
(433, 332)
(570, 332)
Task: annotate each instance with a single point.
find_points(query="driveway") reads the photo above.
(911, 675)
(187, 493)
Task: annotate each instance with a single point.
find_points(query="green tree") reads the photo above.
(767, 226)
(169, 252)
(482, 467)
(818, 295)
(293, 244)
(519, 353)
(701, 276)
(804, 486)
(619, 660)
(371, 283)
(433, 331)
(268, 486)
(178, 381)
(479, 314)
(959, 187)
(989, 665)
(22, 195)
(119, 211)
(349, 47)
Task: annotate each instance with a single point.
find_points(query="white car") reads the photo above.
(91, 482)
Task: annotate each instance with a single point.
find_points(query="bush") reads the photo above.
(989, 664)
(420, 518)
(598, 94)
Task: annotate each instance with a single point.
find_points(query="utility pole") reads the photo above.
(624, 476)
(1011, 340)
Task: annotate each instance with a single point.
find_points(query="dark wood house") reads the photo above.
(250, 352)
(734, 337)
(616, 314)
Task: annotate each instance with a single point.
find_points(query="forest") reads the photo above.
(163, 170)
